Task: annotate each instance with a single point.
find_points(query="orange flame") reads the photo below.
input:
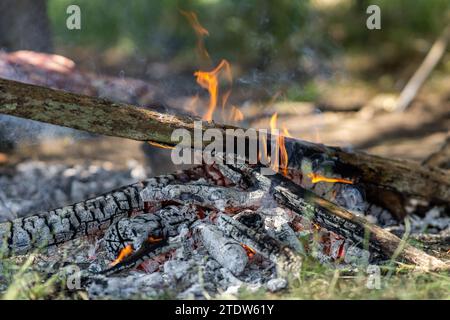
(281, 143)
(286, 132)
(209, 81)
(250, 251)
(283, 156)
(125, 252)
(200, 31)
(273, 121)
(319, 178)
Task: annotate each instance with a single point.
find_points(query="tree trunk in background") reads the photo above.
(24, 25)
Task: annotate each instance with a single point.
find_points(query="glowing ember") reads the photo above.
(209, 81)
(154, 240)
(125, 252)
(250, 252)
(160, 145)
(319, 178)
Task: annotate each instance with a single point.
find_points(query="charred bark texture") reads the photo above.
(60, 225)
(87, 217)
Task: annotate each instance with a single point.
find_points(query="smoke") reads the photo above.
(15, 131)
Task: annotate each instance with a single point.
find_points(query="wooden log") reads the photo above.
(336, 219)
(123, 120)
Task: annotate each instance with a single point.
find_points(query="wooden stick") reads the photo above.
(123, 120)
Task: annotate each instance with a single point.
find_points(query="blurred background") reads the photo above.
(314, 62)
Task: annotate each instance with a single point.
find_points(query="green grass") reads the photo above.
(20, 282)
(318, 282)
(19, 279)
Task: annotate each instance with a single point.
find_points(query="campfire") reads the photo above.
(240, 217)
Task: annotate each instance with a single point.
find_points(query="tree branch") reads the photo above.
(123, 120)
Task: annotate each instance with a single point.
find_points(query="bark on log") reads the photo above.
(122, 120)
(87, 217)
(57, 226)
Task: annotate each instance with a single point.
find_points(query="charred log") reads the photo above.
(337, 219)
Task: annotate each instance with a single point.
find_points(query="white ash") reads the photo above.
(435, 221)
(356, 256)
(276, 284)
(381, 216)
(351, 198)
(228, 252)
(276, 223)
(197, 268)
(135, 285)
(188, 273)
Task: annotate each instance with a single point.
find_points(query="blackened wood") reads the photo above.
(87, 217)
(54, 227)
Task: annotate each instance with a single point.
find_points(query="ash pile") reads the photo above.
(198, 233)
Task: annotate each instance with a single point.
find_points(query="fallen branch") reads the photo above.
(122, 120)
(418, 79)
